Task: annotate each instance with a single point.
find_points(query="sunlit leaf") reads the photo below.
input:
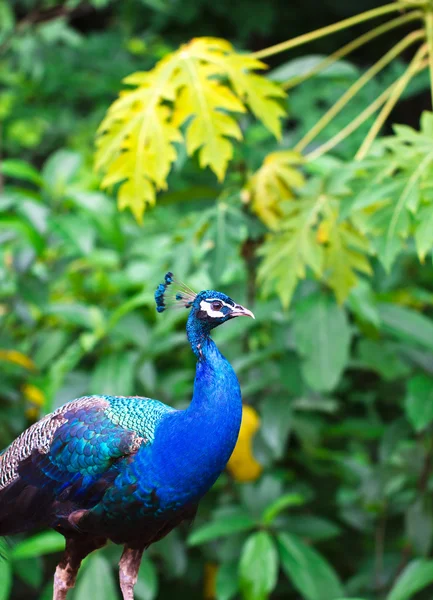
(419, 524)
(226, 581)
(309, 572)
(5, 570)
(258, 566)
(416, 576)
(288, 253)
(394, 203)
(419, 401)
(311, 236)
(323, 337)
(198, 89)
(20, 170)
(96, 580)
(273, 184)
(229, 525)
(41, 543)
(146, 587)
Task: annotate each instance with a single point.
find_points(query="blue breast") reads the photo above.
(190, 448)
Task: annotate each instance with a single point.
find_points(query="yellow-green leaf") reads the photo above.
(311, 235)
(198, 90)
(345, 254)
(203, 100)
(274, 183)
(18, 358)
(287, 254)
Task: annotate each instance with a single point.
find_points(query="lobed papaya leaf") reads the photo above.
(191, 96)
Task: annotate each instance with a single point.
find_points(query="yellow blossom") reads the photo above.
(210, 573)
(242, 464)
(18, 358)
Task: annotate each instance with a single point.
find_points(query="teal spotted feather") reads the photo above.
(136, 414)
(128, 469)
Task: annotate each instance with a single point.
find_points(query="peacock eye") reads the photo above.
(217, 305)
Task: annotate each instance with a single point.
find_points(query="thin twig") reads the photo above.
(324, 31)
(353, 45)
(391, 102)
(357, 86)
(357, 122)
(429, 34)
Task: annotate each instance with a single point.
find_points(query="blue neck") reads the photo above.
(198, 336)
(195, 444)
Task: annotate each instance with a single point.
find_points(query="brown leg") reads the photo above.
(67, 569)
(128, 572)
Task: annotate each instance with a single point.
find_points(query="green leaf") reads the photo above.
(81, 315)
(114, 374)
(398, 221)
(23, 230)
(395, 200)
(419, 401)
(383, 358)
(312, 527)
(276, 417)
(59, 171)
(417, 575)
(7, 20)
(5, 570)
(258, 566)
(419, 524)
(363, 303)
(287, 254)
(30, 570)
(77, 232)
(96, 580)
(37, 545)
(20, 169)
(309, 572)
(146, 587)
(228, 525)
(227, 581)
(322, 336)
(423, 232)
(281, 504)
(345, 254)
(407, 324)
(302, 66)
(47, 593)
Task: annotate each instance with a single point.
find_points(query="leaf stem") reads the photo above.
(357, 122)
(353, 45)
(324, 31)
(392, 101)
(428, 19)
(357, 86)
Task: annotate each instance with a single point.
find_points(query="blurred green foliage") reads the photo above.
(343, 507)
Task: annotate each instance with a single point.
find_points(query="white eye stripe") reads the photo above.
(210, 300)
(206, 306)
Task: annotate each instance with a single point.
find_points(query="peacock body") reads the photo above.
(126, 469)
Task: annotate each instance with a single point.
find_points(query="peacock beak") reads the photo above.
(241, 311)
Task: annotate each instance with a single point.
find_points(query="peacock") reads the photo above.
(127, 468)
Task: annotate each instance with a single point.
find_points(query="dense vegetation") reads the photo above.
(327, 236)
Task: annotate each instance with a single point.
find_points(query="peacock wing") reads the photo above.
(62, 463)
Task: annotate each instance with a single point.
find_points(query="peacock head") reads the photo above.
(209, 308)
(214, 308)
